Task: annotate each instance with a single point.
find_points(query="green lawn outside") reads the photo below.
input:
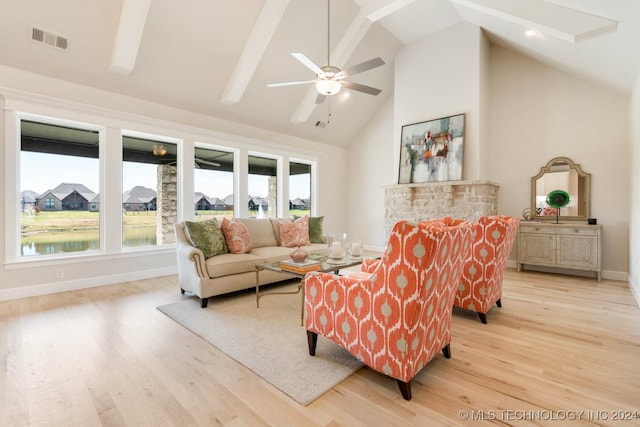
(78, 220)
(84, 220)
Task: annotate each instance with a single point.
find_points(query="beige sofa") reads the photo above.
(232, 272)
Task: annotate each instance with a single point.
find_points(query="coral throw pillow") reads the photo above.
(236, 234)
(294, 233)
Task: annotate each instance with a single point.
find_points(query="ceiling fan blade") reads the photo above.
(206, 162)
(320, 98)
(360, 88)
(361, 67)
(307, 62)
(290, 83)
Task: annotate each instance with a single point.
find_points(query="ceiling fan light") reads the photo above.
(159, 150)
(328, 87)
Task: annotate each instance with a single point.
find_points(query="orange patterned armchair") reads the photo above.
(481, 283)
(394, 315)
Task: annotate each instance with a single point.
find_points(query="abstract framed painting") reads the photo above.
(431, 151)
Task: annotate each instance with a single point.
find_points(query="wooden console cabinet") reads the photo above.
(570, 246)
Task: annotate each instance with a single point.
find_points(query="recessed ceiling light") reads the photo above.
(531, 33)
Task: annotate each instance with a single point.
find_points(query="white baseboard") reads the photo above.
(89, 282)
(622, 276)
(635, 289)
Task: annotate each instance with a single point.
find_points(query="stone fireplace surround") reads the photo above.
(466, 200)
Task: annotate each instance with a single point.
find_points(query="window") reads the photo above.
(59, 178)
(213, 183)
(263, 188)
(299, 189)
(149, 193)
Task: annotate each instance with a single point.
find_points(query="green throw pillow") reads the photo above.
(316, 233)
(207, 236)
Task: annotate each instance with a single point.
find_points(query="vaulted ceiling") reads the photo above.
(215, 57)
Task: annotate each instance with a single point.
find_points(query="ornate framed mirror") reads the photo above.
(562, 174)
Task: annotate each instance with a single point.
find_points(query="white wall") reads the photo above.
(537, 113)
(634, 192)
(440, 76)
(369, 170)
(60, 99)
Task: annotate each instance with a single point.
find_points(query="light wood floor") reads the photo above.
(106, 356)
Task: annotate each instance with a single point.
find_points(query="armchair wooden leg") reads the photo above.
(483, 318)
(499, 302)
(312, 341)
(405, 389)
(446, 350)
(204, 302)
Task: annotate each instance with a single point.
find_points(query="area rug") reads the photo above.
(268, 340)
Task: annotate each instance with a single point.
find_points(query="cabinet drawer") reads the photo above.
(536, 229)
(583, 231)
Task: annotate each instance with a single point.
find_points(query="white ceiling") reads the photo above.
(215, 57)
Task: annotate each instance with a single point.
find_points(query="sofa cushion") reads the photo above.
(226, 264)
(278, 253)
(206, 236)
(294, 233)
(236, 234)
(273, 253)
(260, 231)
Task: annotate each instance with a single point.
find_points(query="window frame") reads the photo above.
(111, 125)
(13, 250)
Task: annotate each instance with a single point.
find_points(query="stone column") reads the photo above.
(272, 197)
(167, 203)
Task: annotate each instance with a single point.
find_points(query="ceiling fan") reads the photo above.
(197, 162)
(330, 79)
(160, 150)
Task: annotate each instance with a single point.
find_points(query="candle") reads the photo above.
(336, 250)
(356, 250)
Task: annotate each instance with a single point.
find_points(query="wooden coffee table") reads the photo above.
(326, 266)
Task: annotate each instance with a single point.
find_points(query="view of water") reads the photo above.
(79, 241)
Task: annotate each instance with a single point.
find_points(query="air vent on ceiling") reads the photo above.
(48, 38)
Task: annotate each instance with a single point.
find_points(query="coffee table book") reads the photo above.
(300, 267)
